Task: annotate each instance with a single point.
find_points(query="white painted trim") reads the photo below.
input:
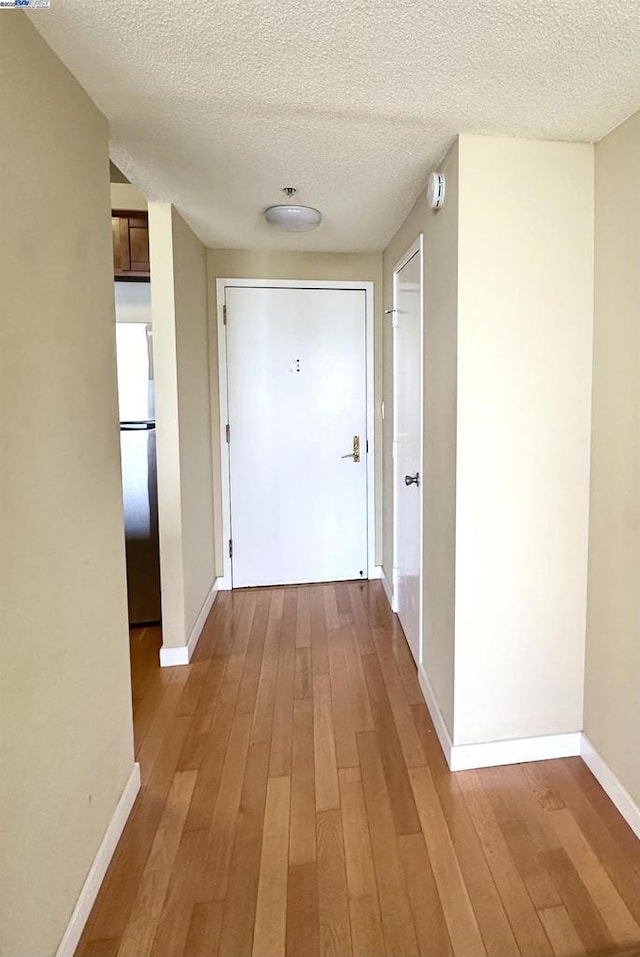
(393, 586)
(376, 574)
(388, 590)
(369, 332)
(226, 582)
(98, 869)
(182, 654)
(170, 657)
(611, 785)
(436, 715)
(490, 754)
(223, 405)
(415, 248)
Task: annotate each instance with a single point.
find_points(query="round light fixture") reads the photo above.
(295, 219)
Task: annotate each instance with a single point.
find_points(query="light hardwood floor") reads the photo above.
(295, 802)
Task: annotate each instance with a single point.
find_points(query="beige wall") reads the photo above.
(125, 196)
(183, 414)
(66, 748)
(612, 691)
(525, 316)
(440, 231)
(263, 264)
(508, 278)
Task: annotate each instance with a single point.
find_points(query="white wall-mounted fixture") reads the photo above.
(293, 218)
(436, 188)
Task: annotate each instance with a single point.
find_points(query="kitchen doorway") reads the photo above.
(136, 401)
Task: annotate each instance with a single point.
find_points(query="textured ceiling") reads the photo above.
(216, 105)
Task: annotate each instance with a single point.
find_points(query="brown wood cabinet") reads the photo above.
(130, 232)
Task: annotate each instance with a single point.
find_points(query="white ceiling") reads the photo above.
(216, 105)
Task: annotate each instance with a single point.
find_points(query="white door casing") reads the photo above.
(296, 363)
(408, 441)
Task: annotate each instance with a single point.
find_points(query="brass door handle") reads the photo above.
(355, 455)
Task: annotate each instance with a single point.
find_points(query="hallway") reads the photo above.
(295, 801)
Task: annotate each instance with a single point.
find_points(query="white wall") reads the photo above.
(183, 414)
(612, 691)
(525, 316)
(440, 230)
(66, 747)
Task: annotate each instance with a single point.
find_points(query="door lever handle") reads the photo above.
(355, 455)
(412, 479)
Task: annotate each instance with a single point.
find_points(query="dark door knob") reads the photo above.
(412, 479)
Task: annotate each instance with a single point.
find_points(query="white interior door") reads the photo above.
(296, 385)
(408, 449)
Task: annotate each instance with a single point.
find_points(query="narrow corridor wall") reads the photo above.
(525, 322)
(66, 742)
(508, 317)
(440, 299)
(612, 688)
(187, 529)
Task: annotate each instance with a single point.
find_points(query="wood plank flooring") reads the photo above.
(296, 803)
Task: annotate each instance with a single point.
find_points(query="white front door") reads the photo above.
(408, 436)
(296, 382)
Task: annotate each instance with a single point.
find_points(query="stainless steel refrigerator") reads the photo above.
(138, 453)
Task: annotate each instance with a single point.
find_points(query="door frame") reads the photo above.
(416, 247)
(225, 583)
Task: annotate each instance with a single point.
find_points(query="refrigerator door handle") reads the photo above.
(137, 426)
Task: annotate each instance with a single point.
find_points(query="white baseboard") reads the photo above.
(98, 869)
(170, 657)
(611, 785)
(490, 754)
(436, 714)
(464, 757)
(376, 573)
(388, 590)
(182, 654)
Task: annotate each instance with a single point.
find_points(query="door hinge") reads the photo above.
(230, 548)
(228, 433)
(224, 314)
(366, 445)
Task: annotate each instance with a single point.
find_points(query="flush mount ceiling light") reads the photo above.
(295, 219)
